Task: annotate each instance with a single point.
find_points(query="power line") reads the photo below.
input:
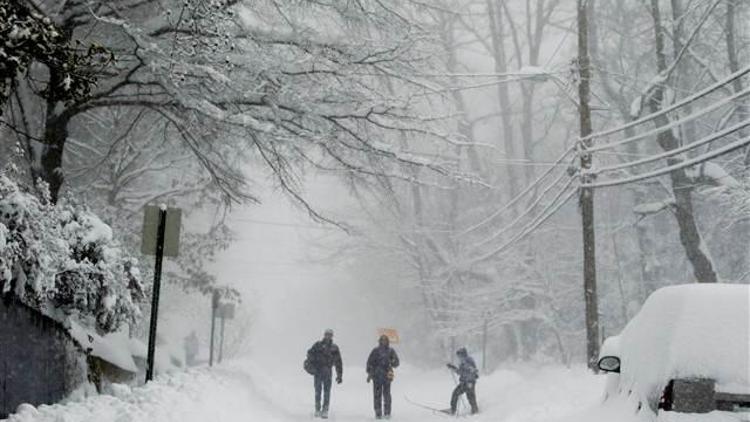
(660, 172)
(671, 108)
(706, 140)
(518, 197)
(525, 75)
(529, 209)
(672, 124)
(282, 224)
(530, 228)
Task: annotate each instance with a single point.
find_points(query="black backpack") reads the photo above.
(309, 367)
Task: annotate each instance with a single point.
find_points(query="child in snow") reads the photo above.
(467, 378)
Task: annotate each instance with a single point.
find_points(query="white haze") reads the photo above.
(294, 295)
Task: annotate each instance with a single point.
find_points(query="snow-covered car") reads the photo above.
(684, 357)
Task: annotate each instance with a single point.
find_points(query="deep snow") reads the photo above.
(248, 391)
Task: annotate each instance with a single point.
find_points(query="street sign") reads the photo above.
(161, 237)
(391, 333)
(171, 231)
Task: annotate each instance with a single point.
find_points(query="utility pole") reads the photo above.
(214, 307)
(587, 194)
(484, 343)
(221, 343)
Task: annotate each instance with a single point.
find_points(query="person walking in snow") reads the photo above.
(380, 366)
(192, 344)
(467, 379)
(321, 358)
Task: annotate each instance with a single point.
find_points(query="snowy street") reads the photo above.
(418, 210)
(242, 391)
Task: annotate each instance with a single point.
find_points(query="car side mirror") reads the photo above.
(610, 364)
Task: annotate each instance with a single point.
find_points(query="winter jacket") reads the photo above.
(381, 360)
(323, 356)
(467, 370)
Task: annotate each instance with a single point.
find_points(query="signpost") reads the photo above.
(484, 342)
(214, 308)
(391, 333)
(161, 237)
(226, 311)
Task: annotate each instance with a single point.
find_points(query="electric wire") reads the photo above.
(530, 228)
(528, 210)
(519, 196)
(660, 172)
(675, 106)
(672, 124)
(706, 140)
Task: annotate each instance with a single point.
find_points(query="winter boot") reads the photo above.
(324, 414)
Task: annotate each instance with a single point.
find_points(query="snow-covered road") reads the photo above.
(245, 391)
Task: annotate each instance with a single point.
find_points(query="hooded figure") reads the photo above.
(322, 357)
(380, 366)
(467, 379)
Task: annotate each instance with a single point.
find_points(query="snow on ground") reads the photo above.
(247, 391)
(521, 394)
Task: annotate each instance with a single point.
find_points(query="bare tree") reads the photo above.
(229, 78)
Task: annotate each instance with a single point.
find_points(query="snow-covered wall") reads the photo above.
(38, 362)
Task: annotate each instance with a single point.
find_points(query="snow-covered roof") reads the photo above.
(696, 330)
(116, 348)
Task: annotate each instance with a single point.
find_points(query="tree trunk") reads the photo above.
(681, 185)
(464, 128)
(55, 135)
(684, 69)
(644, 236)
(503, 95)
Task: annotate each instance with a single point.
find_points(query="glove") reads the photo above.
(339, 380)
(369, 378)
(451, 366)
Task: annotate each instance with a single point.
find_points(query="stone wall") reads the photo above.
(39, 363)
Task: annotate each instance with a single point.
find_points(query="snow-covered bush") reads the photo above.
(63, 261)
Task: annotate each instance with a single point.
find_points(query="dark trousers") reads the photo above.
(468, 388)
(382, 397)
(322, 385)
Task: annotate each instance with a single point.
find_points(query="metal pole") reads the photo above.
(484, 345)
(214, 305)
(221, 344)
(587, 194)
(155, 294)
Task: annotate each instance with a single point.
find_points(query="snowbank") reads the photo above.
(195, 395)
(256, 391)
(113, 348)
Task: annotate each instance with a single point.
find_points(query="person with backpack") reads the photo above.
(321, 358)
(380, 366)
(467, 379)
